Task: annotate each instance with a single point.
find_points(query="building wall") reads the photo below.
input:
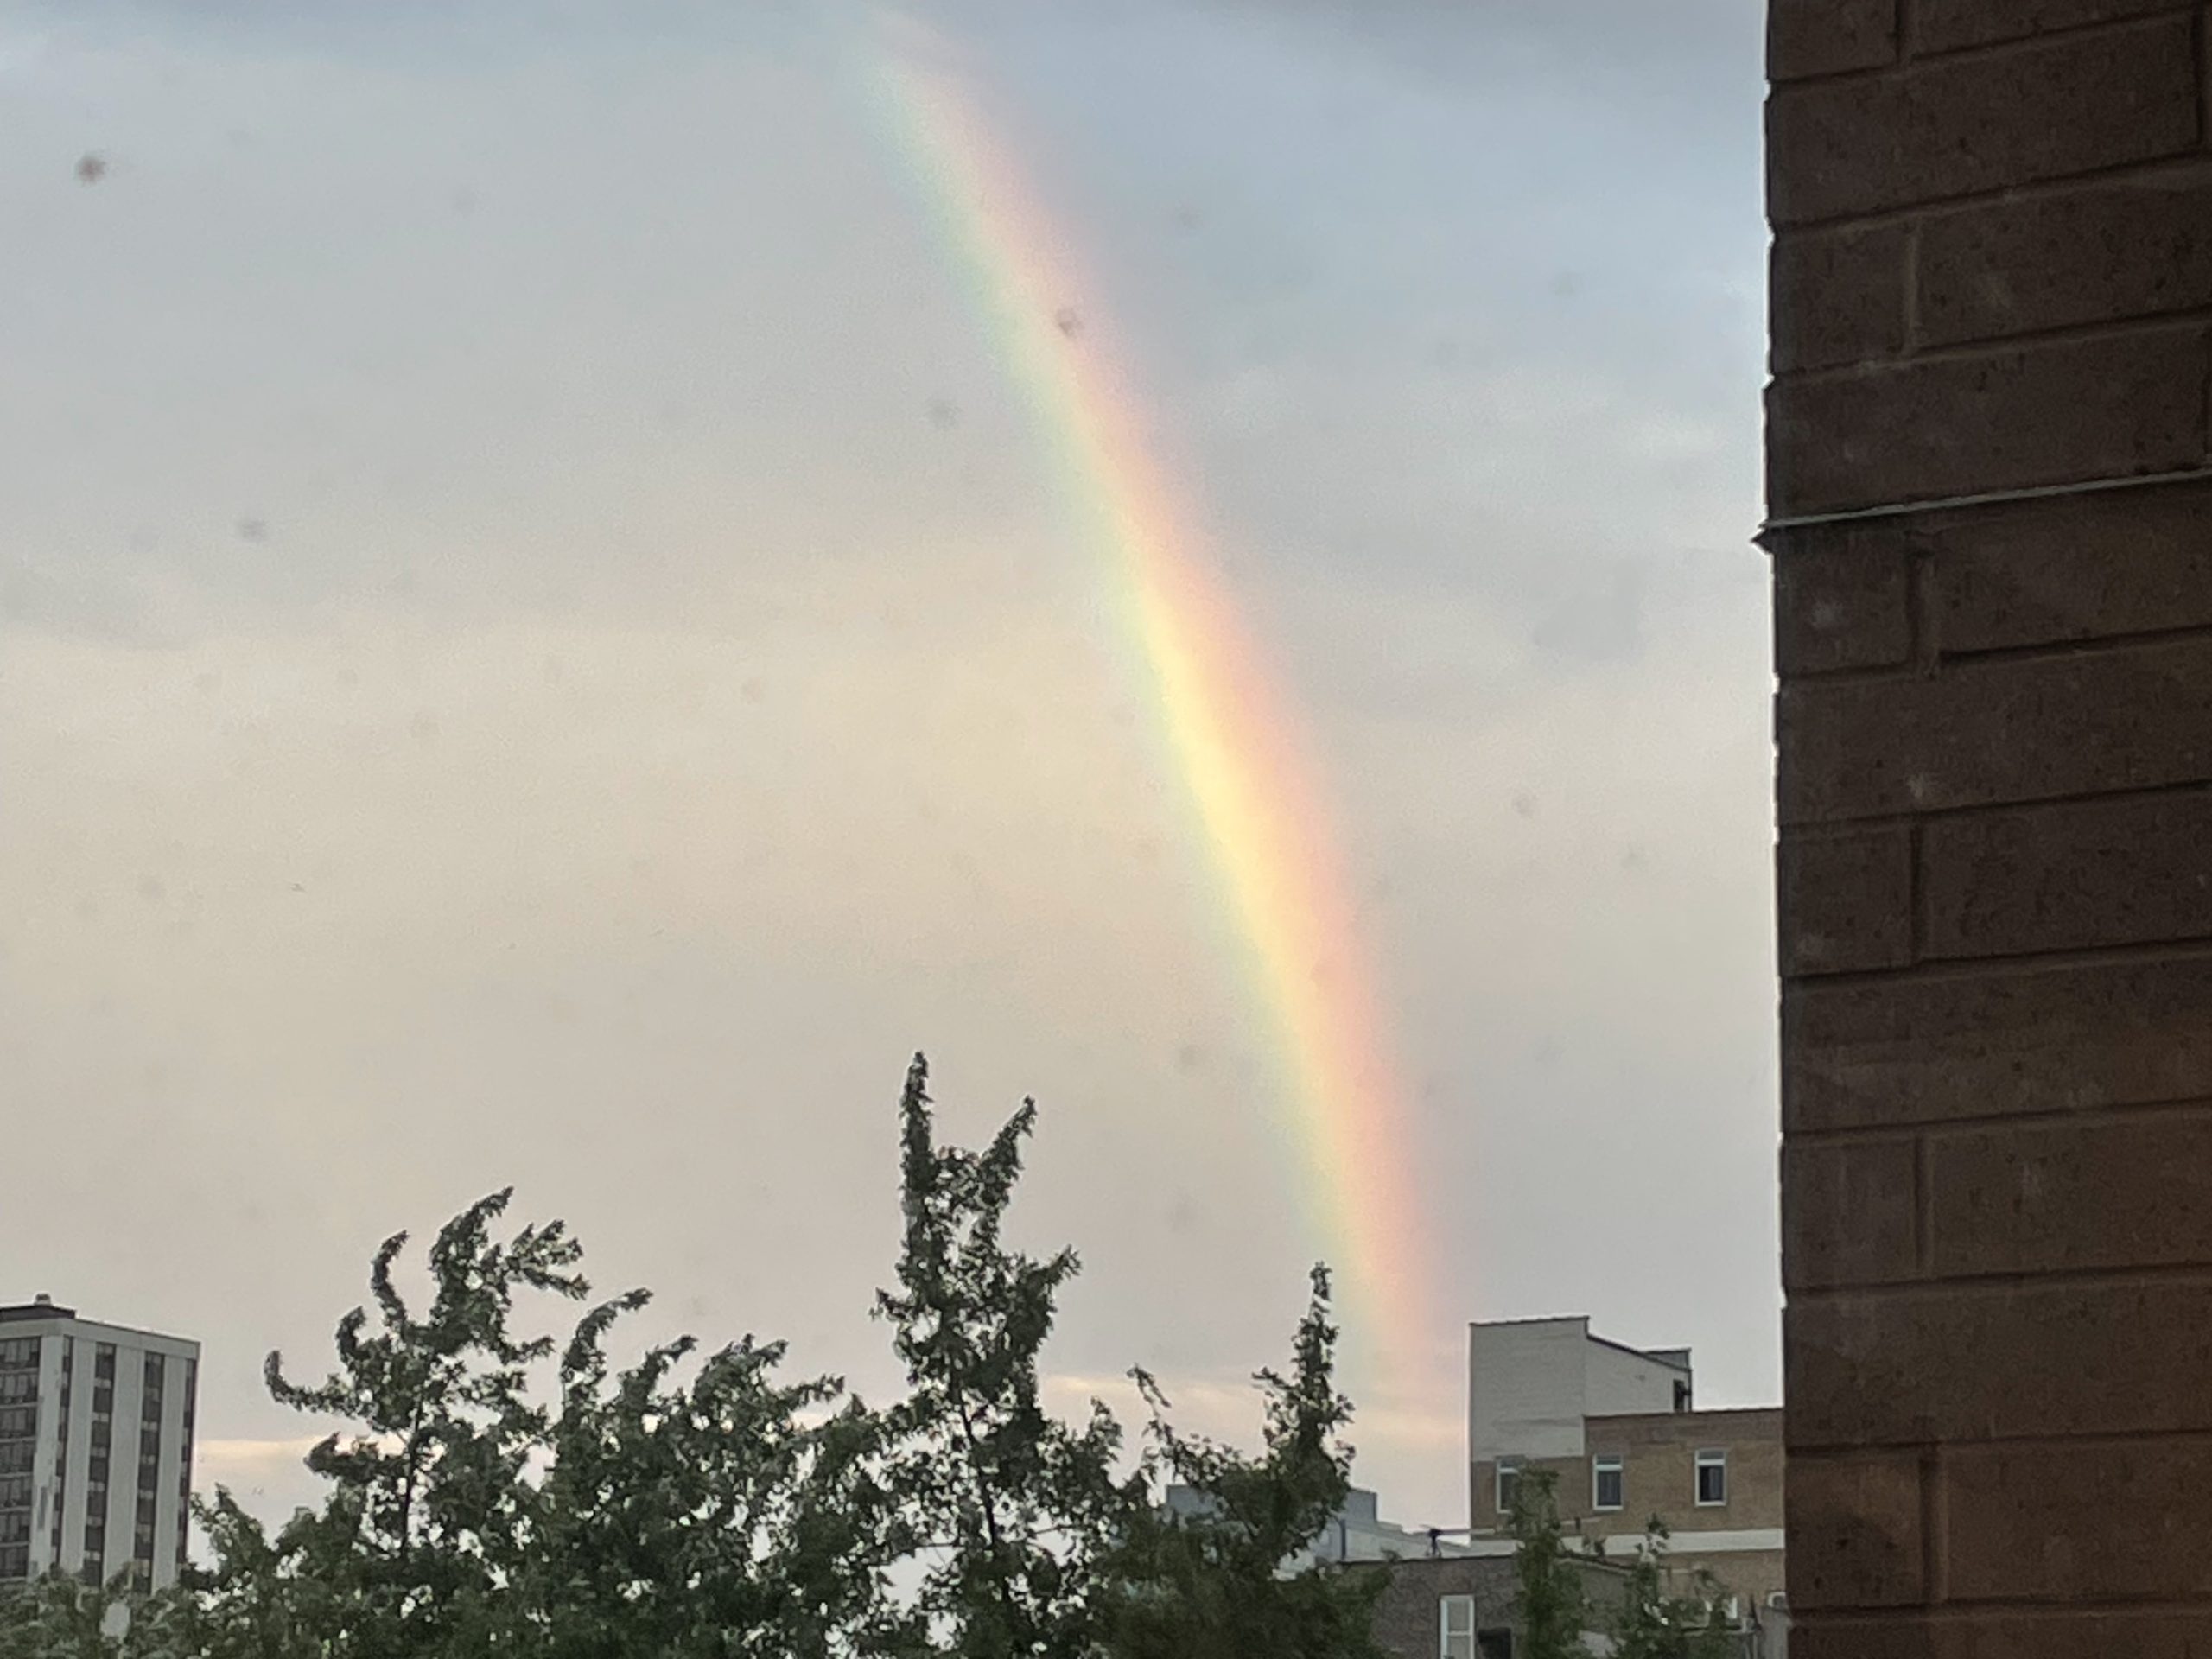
(1659, 1460)
(1526, 1388)
(1408, 1616)
(1619, 1380)
(1739, 1541)
(1532, 1383)
(1990, 282)
(1659, 1463)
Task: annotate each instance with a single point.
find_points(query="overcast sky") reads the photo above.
(537, 644)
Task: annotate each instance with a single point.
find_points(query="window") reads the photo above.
(1712, 1479)
(1494, 1645)
(1509, 1484)
(1605, 1484)
(1455, 1627)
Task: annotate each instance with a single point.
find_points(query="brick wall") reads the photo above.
(1658, 1453)
(1408, 1618)
(1992, 277)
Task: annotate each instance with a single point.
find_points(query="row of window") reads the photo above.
(1608, 1481)
(19, 1353)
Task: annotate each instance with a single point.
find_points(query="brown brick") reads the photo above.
(1896, 1052)
(2099, 1633)
(2134, 247)
(2001, 1361)
(2008, 418)
(2042, 1197)
(1854, 1532)
(2080, 1522)
(1826, 37)
(2065, 877)
(1946, 25)
(2051, 111)
(2033, 573)
(1848, 1213)
(1996, 731)
(1837, 296)
(1860, 1639)
(1844, 901)
(1842, 597)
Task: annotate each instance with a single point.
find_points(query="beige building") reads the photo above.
(1619, 1429)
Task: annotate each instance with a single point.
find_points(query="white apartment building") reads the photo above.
(95, 1447)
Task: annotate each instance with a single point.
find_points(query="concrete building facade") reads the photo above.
(1989, 479)
(1619, 1429)
(96, 1426)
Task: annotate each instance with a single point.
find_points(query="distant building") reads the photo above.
(95, 1446)
(1467, 1607)
(1357, 1533)
(1619, 1428)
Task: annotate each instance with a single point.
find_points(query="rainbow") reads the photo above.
(1231, 731)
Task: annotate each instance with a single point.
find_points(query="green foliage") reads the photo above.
(1011, 1510)
(429, 1515)
(1653, 1624)
(58, 1617)
(1210, 1583)
(496, 1492)
(1553, 1609)
(732, 1515)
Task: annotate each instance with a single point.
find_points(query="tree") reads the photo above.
(60, 1616)
(429, 1510)
(1653, 1624)
(1010, 1512)
(717, 1518)
(490, 1492)
(1214, 1582)
(1549, 1598)
(732, 1516)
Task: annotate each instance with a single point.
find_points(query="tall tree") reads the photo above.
(429, 1508)
(1010, 1512)
(1550, 1598)
(1219, 1579)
